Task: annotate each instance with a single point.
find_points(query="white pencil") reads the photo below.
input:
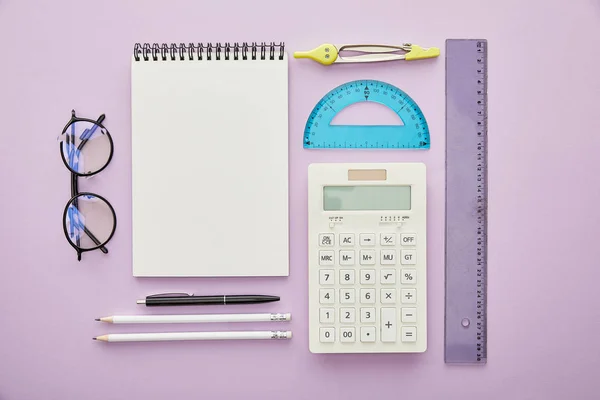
(229, 335)
(182, 319)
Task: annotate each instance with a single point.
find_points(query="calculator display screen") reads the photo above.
(362, 198)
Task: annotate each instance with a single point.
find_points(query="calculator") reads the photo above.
(367, 257)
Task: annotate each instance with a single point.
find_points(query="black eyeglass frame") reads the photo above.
(75, 194)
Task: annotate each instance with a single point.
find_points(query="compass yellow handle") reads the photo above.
(419, 53)
(325, 54)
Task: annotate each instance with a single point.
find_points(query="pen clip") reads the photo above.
(167, 295)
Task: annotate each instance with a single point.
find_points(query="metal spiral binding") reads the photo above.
(208, 51)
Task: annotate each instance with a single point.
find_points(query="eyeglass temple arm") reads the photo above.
(95, 240)
(74, 188)
(85, 140)
(74, 192)
(91, 236)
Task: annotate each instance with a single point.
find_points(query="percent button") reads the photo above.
(409, 277)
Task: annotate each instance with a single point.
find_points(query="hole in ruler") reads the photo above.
(366, 113)
(465, 322)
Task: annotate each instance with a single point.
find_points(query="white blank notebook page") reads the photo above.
(210, 167)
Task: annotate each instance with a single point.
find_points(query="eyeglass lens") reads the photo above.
(86, 147)
(89, 221)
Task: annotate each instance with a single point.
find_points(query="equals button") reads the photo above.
(409, 334)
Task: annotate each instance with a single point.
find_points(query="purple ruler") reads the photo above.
(466, 201)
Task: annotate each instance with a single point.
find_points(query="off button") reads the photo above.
(408, 239)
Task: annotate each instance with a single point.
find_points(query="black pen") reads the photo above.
(184, 299)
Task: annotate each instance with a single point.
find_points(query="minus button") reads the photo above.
(409, 315)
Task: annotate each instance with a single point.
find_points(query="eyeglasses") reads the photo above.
(86, 148)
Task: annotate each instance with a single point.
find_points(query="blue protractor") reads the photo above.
(319, 133)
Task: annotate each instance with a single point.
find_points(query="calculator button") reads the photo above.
(346, 277)
(409, 315)
(347, 315)
(408, 239)
(326, 239)
(347, 335)
(347, 239)
(346, 257)
(367, 276)
(367, 296)
(388, 257)
(388, 296)
(347, 296)
(408, 276)
(327, 296)
(367, 315)
(367, 257)
(326, 277)
(409, 333)
(326, 257)
(388, 324)
(326, 315)
(409, 296)
(388, 276)
(327, 335)
(367, 239)
(387, 239)
(408, 257)
(367, 334)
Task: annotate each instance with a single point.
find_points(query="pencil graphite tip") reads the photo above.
(94, 338)
(97, 319)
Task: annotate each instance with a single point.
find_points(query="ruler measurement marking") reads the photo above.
(482, 231)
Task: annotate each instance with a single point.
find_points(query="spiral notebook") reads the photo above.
(210, 160)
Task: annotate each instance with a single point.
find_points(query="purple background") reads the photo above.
(544, 223)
